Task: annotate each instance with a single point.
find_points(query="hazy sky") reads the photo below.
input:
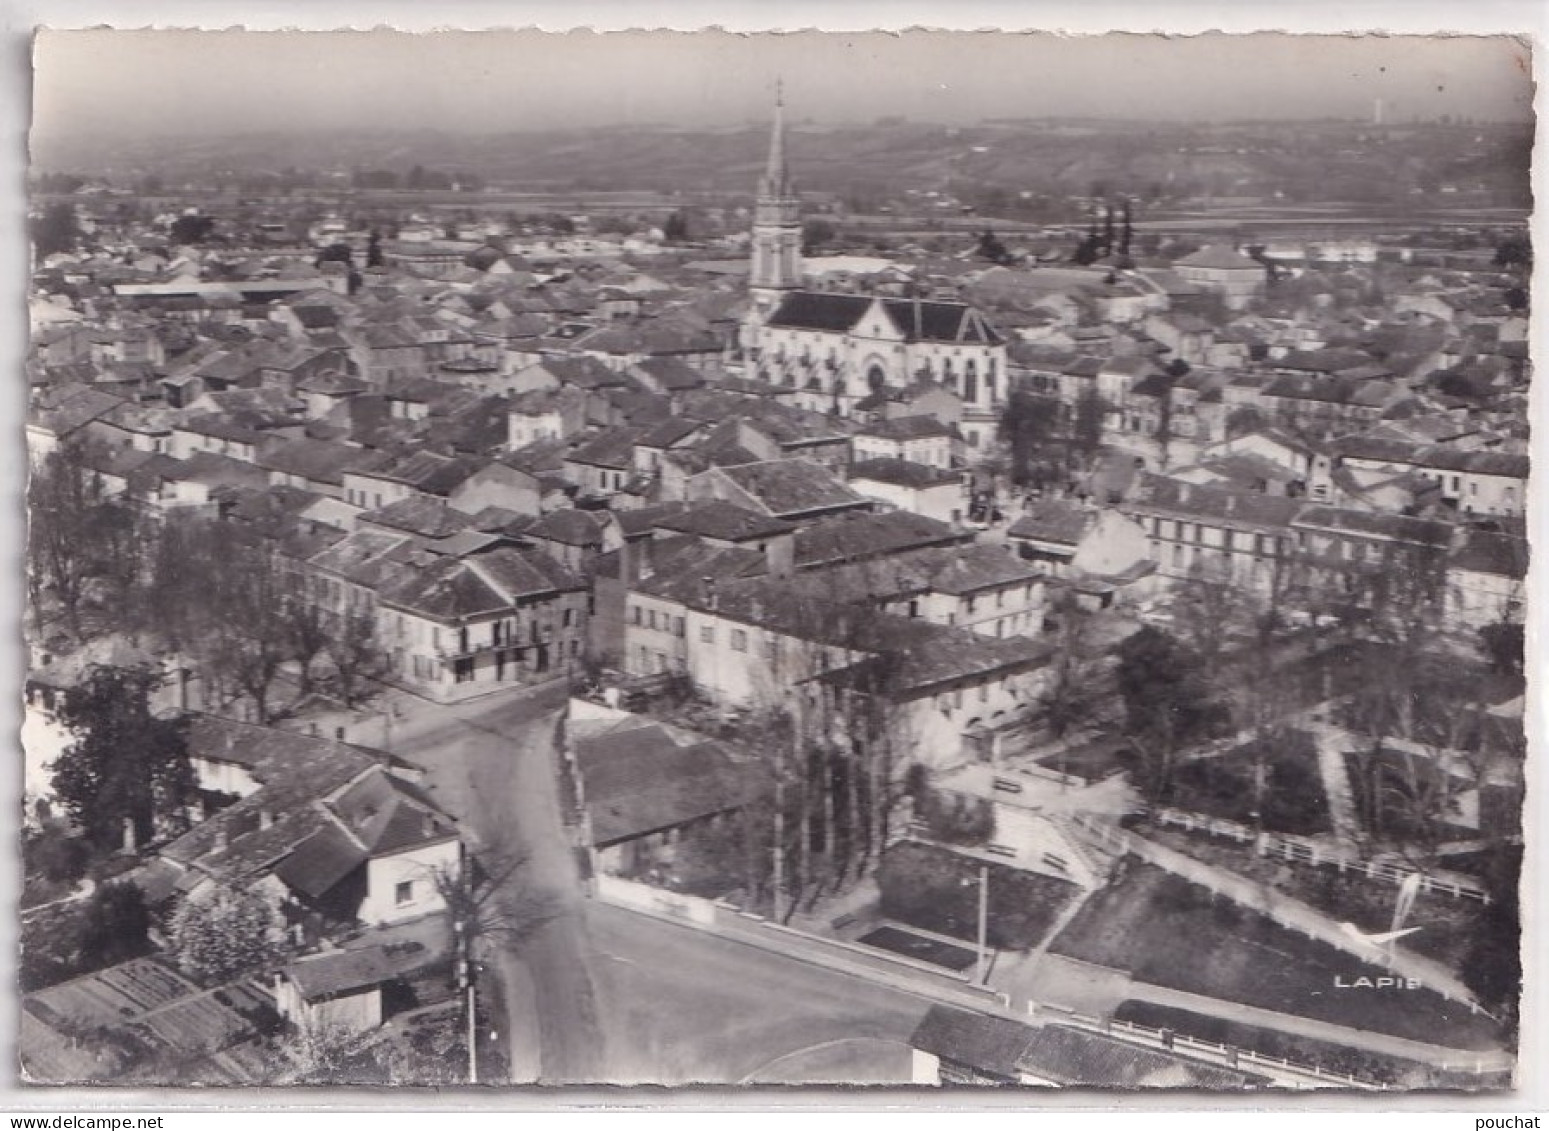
(172, 81)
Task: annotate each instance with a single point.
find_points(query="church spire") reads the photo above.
(776, 266)
(776, 183)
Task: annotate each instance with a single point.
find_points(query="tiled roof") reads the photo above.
(613, 449)
(322, 461)
(387, 815)
(723, 521)
(1219, 258)
(919, 427)
(854, 536)
(994, 1046)
(902, 473)
(1391, 527)
(424, 515)
(1501, 555)
(1073, 1056)
(1170, 497)
(567, 526)
(1053, 521)
(787, 488)
(639, 781)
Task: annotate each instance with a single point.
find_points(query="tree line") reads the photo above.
(222, 597)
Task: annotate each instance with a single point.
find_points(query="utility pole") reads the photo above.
(465, 983)
(983, 971)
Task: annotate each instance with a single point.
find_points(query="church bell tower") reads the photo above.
(776, 267)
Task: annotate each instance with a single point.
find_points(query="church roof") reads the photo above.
(917, 320)
(820, 310)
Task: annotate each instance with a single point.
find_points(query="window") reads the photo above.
(651, 617)
(403, 893)
(567, 618)
(707, 634)
(679, 628)
(462, 669)
(636, 611)
(739, 640)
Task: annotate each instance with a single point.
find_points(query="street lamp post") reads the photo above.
(981, 964)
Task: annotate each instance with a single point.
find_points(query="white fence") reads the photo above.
(1305, 1074)
(1299, 850)
(1290, 913)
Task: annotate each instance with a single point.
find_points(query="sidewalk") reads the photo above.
(1495, 1060)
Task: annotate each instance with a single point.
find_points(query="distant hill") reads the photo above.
(1304, 161)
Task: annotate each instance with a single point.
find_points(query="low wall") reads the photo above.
(644, 897)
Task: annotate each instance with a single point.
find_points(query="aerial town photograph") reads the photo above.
(929, 560)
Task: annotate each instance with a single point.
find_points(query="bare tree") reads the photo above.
(357, 656)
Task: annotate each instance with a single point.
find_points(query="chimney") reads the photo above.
(1183, 493)
(711, 596)
(222, 837)
(265, 819)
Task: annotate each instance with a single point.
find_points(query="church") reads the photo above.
(834, 350)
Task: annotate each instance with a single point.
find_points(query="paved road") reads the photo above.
(491, 763)
(603, 994)
(683, 1006)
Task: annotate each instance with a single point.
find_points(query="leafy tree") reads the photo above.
(1514, 251)
(125, 767)
(336, 253)
(223, 932)
(1167, 702)
(1072, 694)
(675, 229)
(54, 855)
(816, 232)
(1027, 425)
(1493, 965)
(191, 228)
(307, 633)
(956, 819)
(56, 230)
(64, 498)
(1088, 428)
(1502, 644)
(1243, 420)
(115, 927)
(990, 247)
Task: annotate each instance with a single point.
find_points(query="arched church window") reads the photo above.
(876, 378)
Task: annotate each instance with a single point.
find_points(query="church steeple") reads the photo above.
(776, 181)
(776, 266)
